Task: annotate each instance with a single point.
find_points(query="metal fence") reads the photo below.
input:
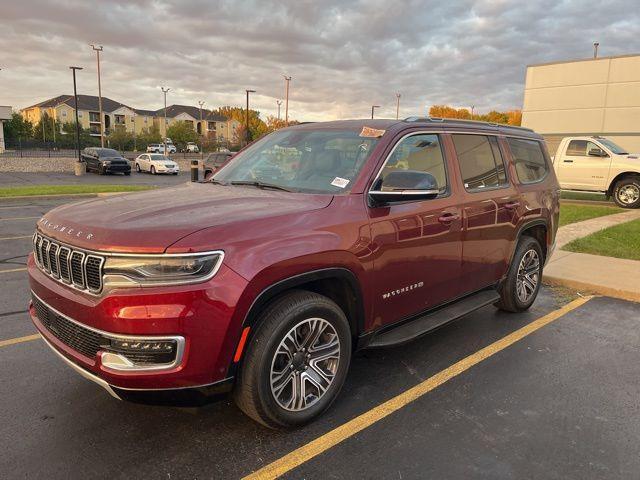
(53, 151)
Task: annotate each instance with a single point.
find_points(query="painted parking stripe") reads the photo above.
(17, 218)
(365, 420)
(13, 341)
(11, 270)
(16, 238)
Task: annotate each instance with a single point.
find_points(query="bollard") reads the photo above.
(194, 170)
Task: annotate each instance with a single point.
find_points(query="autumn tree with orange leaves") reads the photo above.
(511, 117)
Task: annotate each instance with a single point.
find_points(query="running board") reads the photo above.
(415, 328)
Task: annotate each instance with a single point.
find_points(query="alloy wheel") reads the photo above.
(528, 276)
(305, 364)
(629, 194)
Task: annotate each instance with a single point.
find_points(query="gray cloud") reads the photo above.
(343, 56)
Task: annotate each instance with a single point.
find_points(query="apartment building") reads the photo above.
(62, 109)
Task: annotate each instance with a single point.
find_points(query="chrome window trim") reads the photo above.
(180, 342)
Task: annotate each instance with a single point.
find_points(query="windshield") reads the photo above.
(313, 161)
(107, 152)
(616, 149)
(160, 157)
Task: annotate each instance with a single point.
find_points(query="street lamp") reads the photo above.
(247, 124)
(165, 90)
(75, 96)
(398, 105)
(279, 102)
(201, 103)
(373, 107)
(286, 101)
(98, 50)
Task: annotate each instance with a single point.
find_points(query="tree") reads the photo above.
(17, 129)
(257, 128)
(47, 124)
(512, 117)
(120, 139)
(148, 135)
(275, 123)
(181, 133)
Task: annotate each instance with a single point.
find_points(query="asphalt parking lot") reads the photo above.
(21, 179)
(560, 401)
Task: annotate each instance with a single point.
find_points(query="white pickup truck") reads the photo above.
(596, 164)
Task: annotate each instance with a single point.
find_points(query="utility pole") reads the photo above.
(279, 102)
(472, 108)
(165, 90)
(397, 105)
(201, 103)
(373, 107)
(595, 49)
(286, 101)
(98, 50)
(75, 96)
(247, 124)
(133, 119)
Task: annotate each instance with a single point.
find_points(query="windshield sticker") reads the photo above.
(340, 182)
(369, 132)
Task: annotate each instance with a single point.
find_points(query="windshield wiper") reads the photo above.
(218, 182)
(254, 183)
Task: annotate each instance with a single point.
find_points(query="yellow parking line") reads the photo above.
(13, 341)
(17, 218)
(13, 270)
(347, 430)
(20, 237)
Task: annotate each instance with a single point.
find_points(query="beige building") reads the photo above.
(119, 115)
(5, 114)
(598, 96)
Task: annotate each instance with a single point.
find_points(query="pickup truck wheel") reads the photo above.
(626, 193)
(520, 289)
(296, 362)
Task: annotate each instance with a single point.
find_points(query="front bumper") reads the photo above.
(117, 168)
(200, 316)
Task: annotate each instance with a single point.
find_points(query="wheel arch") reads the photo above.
(619, 177)
(538, 229)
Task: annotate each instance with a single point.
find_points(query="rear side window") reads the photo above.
(529, 160)
(480, 161)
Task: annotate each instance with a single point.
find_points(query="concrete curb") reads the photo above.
(591, 287)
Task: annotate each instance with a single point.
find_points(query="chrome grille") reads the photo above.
(81, 270)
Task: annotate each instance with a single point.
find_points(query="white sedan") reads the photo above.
(156, 163)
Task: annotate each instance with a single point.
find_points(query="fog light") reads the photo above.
(141, 354)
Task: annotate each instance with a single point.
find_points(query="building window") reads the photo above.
(119, 119)
(211, 125)
(94, 117)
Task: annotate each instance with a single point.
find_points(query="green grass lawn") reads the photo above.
(68, 189)
(570, 213)
(599, 197)
(621, 241)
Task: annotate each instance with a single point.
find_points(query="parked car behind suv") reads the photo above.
(105, 161)
(159, 148)
(315, 241)
(596, 164)
(216, 160)
(156, 163)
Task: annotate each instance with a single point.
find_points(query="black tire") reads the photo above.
(138, 168)
(152, 170)
(253, 391)
(510, 300)
(626, 193)
(127, 173)
(101, 171)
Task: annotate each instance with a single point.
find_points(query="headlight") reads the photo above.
(106, 162)
(161, 269)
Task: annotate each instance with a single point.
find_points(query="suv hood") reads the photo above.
(149, 222)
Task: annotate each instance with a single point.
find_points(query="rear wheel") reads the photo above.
(153, 170)
(296, 361)
(520, 289)
(626, 193)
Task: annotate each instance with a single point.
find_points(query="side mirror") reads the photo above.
(405, 185)
(597, 152)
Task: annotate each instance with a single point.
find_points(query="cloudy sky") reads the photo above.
(343, 56)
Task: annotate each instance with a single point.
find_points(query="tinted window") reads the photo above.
(480, 161)
(108, 152)
(418, 152)
(529, 160)
(616, 149)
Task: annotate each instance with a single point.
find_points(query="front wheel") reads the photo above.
(138, 168)
(520, 289)
(296, 362)
(153, 170)
(626, 193)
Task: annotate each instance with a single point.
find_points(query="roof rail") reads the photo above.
(463, 121)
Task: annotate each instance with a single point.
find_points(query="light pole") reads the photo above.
(472, 109)
(286, 101)
(201, 103)
(398, 105)
(247, 136)
(98, 50)
(595, 49)
(165, 90)
(373, 107)
(133, 119)
(279, 102)
(75, 96)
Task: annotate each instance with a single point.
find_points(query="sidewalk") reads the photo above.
(614, 277)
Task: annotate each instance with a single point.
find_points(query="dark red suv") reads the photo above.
(313, 242)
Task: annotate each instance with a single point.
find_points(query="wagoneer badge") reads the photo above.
(408, 288)
(72, 232)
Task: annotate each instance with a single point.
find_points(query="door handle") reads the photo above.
(447, 218)
(568, 161)
(511, 205)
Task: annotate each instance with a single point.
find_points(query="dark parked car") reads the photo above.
(215, 160)
(315, 241)
(105, 160)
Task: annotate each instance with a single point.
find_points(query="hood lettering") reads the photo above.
(44, 223)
